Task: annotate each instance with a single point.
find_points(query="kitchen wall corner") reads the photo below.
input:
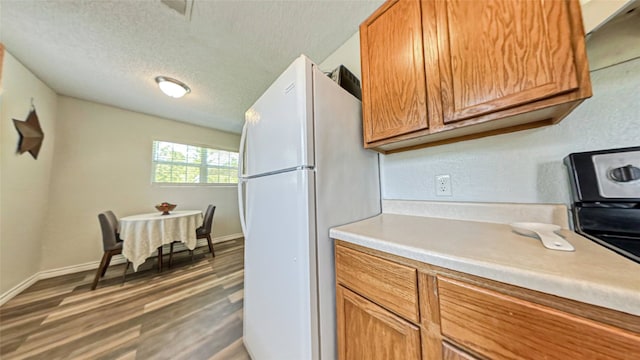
(524, 167)
(103, 162)
(24, 181)
(521, 167)
(348, 55)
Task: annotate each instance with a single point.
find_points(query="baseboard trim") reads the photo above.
(46, 274)
(220, 239)
(19, 288)
(118, 259)
(203, 242)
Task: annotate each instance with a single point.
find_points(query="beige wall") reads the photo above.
(24, 181)
(103, 161)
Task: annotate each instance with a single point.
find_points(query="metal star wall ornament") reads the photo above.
(31, 134)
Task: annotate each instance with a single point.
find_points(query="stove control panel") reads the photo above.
(618, 174)
(605, 176)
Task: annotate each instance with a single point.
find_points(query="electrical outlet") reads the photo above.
(443, 185)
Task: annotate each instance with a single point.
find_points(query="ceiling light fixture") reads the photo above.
(172, 87)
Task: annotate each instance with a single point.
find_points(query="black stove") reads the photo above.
(606, 198)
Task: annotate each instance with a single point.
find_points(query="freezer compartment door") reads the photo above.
(279, 126)
(280, 307)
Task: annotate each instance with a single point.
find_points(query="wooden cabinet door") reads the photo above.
(367, 331)
(498, 54)
(393, 73)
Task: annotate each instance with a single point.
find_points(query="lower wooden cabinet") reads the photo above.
(367, 331)
(464, 317)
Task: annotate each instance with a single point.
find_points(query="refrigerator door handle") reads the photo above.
(241, 155)
(243, 222)
(241, 180)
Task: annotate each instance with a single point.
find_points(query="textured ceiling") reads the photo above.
(228, 52)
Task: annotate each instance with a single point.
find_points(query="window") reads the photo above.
(187, 164)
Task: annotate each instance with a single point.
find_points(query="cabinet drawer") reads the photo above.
(499, 326)
(386, 283)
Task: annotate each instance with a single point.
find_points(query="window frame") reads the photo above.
(202, 166)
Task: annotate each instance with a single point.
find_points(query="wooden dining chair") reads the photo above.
(111, 244)
(203, 232)
(114, 220)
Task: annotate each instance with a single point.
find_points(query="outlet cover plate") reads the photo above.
(443, 185)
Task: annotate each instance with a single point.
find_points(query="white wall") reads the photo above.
(103, 162)
(348, 54)
(24, 181)
(524, 166)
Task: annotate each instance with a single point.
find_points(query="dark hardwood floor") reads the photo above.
(191, 311)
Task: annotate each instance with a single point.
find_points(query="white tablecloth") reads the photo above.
(144, 233)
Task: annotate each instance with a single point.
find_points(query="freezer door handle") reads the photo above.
(243, 222)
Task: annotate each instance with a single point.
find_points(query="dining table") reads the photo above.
(143, 234)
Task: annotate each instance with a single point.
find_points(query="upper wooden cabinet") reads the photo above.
(502, 54)
(395, 97)
(438, 71)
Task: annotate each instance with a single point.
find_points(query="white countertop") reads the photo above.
(591, 274)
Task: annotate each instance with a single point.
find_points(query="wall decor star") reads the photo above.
(31, 134)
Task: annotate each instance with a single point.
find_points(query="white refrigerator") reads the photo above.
(303, 170)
